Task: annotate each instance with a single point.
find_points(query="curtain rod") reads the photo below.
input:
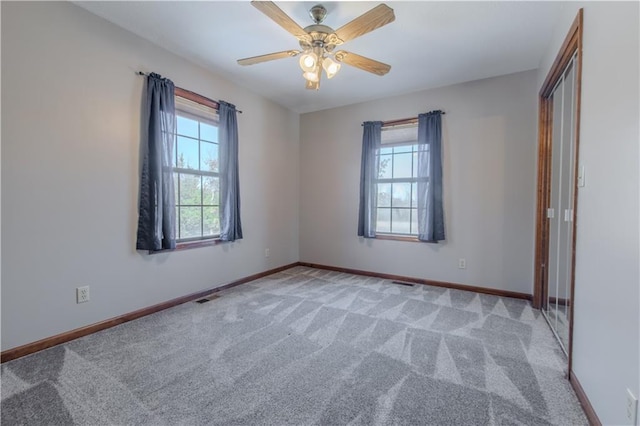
(401, 121)
(216, 103)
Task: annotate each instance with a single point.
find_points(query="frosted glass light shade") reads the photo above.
(311, 76)
(330, 67)
(308, 62)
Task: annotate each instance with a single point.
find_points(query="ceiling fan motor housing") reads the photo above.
(321, 36)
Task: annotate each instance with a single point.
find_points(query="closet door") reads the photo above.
(560, 213)
(566, 205)
(554, 211)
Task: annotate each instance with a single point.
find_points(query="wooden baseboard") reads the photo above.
(48, 342)
(592, 417)
(484, 290)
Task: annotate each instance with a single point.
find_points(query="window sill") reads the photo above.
(188, 245)
(197, 244)
(412, 239)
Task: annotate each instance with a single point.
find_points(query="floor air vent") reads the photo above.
(207, 299)
(402, 283)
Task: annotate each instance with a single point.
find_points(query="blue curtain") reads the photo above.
(372, 131)
(230, 225)
(430, 210)
(156, 214)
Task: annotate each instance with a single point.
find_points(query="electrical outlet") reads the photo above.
(82, 294)
(462, 263)
(632, 407)
(266, 252)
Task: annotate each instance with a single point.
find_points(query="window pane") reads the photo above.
(211, 221)
(197, 195)
(187, 127)
(400, 221)
(414, 194)
(414, 221)
(386, 150)
(211, 191)
(402, 165)
(384, 195)
(209, 156)
(176, 186)
(190, 190)
(415, 164)
(190, 222)
(401, 195)
(177, 221)
(384, 167)
(187, 157)
(174, 160)
(208, 132)
(383, 221)
(402, 148)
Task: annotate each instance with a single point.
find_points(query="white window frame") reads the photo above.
(203, 114)
(399, 140)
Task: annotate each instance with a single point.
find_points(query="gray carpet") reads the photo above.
(306, 346)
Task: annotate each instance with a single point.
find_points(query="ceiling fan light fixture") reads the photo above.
(308, 62)
(311, 76)
(330, 67)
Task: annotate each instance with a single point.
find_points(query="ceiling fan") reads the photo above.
(318, 41)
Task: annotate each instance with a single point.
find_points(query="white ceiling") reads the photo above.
(430, 44)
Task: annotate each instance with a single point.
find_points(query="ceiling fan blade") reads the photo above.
(270, 9)
(362, 62)
(375, 18)
(268, 57)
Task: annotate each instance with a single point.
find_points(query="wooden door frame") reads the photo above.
(572, 44)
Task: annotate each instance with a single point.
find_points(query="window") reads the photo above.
(196, 171)
(397, 182)
(189, 187)
(401, 179)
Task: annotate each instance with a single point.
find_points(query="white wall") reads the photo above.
(70, 133)
(606, 326)
(489, 139)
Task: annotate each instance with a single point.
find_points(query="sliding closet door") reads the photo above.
(566, 204)
(553, 211)
(560, 213)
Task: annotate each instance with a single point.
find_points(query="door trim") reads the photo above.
(572, 44)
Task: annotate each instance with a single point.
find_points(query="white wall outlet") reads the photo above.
(632, 407)
(82, 294)
(266, 252)
(462, 263)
